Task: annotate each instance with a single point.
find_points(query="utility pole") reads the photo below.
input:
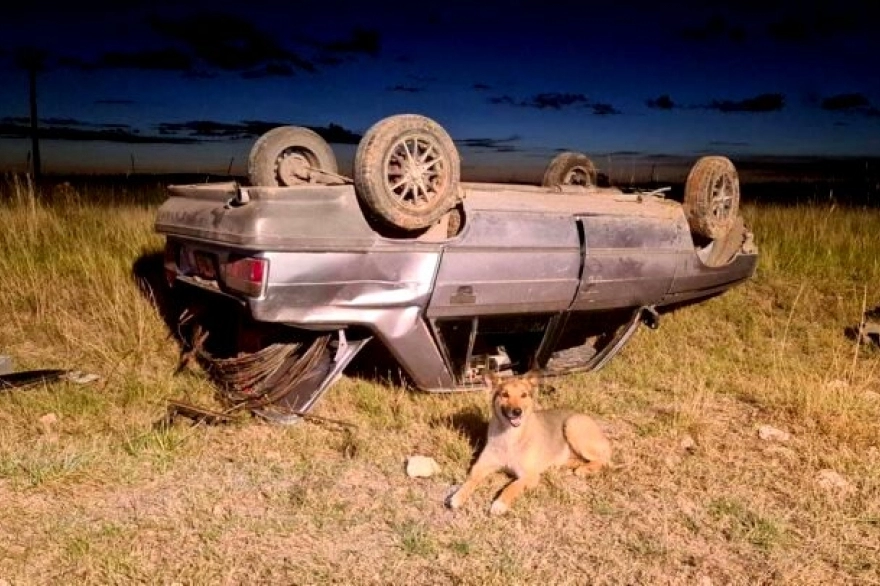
(32, 60)
(35, 130)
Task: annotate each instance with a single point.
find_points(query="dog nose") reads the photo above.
(516, 411)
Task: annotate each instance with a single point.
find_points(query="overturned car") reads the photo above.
(286, 279)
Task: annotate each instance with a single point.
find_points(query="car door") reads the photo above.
(630, 260)
(508, 262)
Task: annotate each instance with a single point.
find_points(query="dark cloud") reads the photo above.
(543, 101)
(329, 60)
(82, 131)
(68, 61)
(498, 145)
(715, 28)
(423, 79)
(162, 59)
(269, 70)
(359, 41)
(817, 21)
(481, 87)
(790, 29)
(31, 58)
(853, 103)
(556, 101)
(504, 100)
(247, 129)
(806, 22)
(229, 43)
(200, 74)
(758, 104)
(210, 129)
(115, 102)
(663, 102)
(602, 109)
(190, 132)
(845, 102)
(406, 89)
(58, 121)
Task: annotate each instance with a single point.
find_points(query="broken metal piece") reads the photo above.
(79, 377)
(29, 378)
(197, 414)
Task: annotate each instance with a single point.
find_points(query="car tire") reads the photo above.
(407, 171)
(711, 197)
(290, 155)
(570, 168)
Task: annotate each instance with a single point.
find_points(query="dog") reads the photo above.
(525, 441)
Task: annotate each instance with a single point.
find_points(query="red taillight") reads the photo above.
(170, 261)
(246, 275)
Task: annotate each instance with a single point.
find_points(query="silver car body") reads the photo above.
(530, 262)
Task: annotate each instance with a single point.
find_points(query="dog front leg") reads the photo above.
(511, 492)
(479, 471)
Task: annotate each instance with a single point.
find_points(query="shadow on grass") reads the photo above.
(148, 272)
(469, 422)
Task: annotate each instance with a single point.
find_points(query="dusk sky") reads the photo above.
(189, 88)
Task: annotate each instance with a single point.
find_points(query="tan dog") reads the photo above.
(526, 441)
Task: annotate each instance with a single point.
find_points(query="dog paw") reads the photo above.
(452, 500)
(498, 507)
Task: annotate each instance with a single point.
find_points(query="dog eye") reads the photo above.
(524, 395)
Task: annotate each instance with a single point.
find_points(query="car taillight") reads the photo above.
(170, 262)
(245, 275)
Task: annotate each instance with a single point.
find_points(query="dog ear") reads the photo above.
(533, 377)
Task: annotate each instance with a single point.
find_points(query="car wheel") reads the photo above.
(711, 197)
(406, 171)
(570, 168)
(290, 155)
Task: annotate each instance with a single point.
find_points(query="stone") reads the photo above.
(833, 481)
(421, 467)
(769, 433)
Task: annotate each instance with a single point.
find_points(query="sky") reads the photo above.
(173, 87)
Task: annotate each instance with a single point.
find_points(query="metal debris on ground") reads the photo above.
(280, 382)
(79, 377)
(197, 414)
(29, 378)
(257, 379)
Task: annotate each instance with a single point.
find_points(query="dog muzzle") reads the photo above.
(513, 416)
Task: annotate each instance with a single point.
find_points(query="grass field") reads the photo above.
(94, 491)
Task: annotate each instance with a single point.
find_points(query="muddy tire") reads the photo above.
(570, 168)
(290, 155)
(711, 197)
(406, 171)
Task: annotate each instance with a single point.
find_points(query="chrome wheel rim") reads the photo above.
(416, 172)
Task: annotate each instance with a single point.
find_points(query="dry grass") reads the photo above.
(100, 494)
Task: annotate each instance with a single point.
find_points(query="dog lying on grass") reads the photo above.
(525, 441)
